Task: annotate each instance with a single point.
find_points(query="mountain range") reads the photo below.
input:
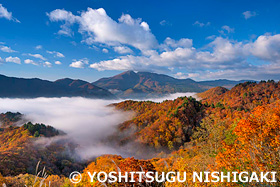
(128, 84)
(31, 88)
(132, 84)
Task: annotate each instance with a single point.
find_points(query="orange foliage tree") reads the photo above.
(257, 144)
(109, 163)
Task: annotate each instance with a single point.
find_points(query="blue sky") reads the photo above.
(90, 39)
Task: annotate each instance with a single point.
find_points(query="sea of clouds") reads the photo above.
(87, 122)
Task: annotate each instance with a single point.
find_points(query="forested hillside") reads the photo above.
(161, 125)
(9, 119)
(19, 151)
(244, 96)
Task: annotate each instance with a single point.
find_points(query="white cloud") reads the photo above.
(56, 54)
(226, 28)
(266, 47)
(122, 63)
(122, 49)
(181, 54)
(181, 75)
(39, 47)
(104, 50)
(13, 59)
(170, 43)
(212, 37)
(98, 27)
(1, 60)
(79, 63)
(261, 72)
(6, 49)
(165, 23)
(200, 24)
(67, 17)
(39, 56)
(74, 43)
(29, 61)
(47, 64)
(62, 15)
(5, 14)
(224, 51)
(249, 14)
(57, 62)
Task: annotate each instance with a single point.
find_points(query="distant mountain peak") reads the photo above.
(128, 72)
(134, 84)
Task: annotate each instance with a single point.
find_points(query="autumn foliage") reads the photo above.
(257, 144)
(19, 152)
(161, 125)
(109, 163)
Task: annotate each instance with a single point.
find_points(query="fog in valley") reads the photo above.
(87, 122)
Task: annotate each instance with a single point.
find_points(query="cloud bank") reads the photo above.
(140, 51)
(87, 122)
(222, 58)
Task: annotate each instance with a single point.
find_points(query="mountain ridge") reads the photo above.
(128, 84)
(132, 84)
(13, 87)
